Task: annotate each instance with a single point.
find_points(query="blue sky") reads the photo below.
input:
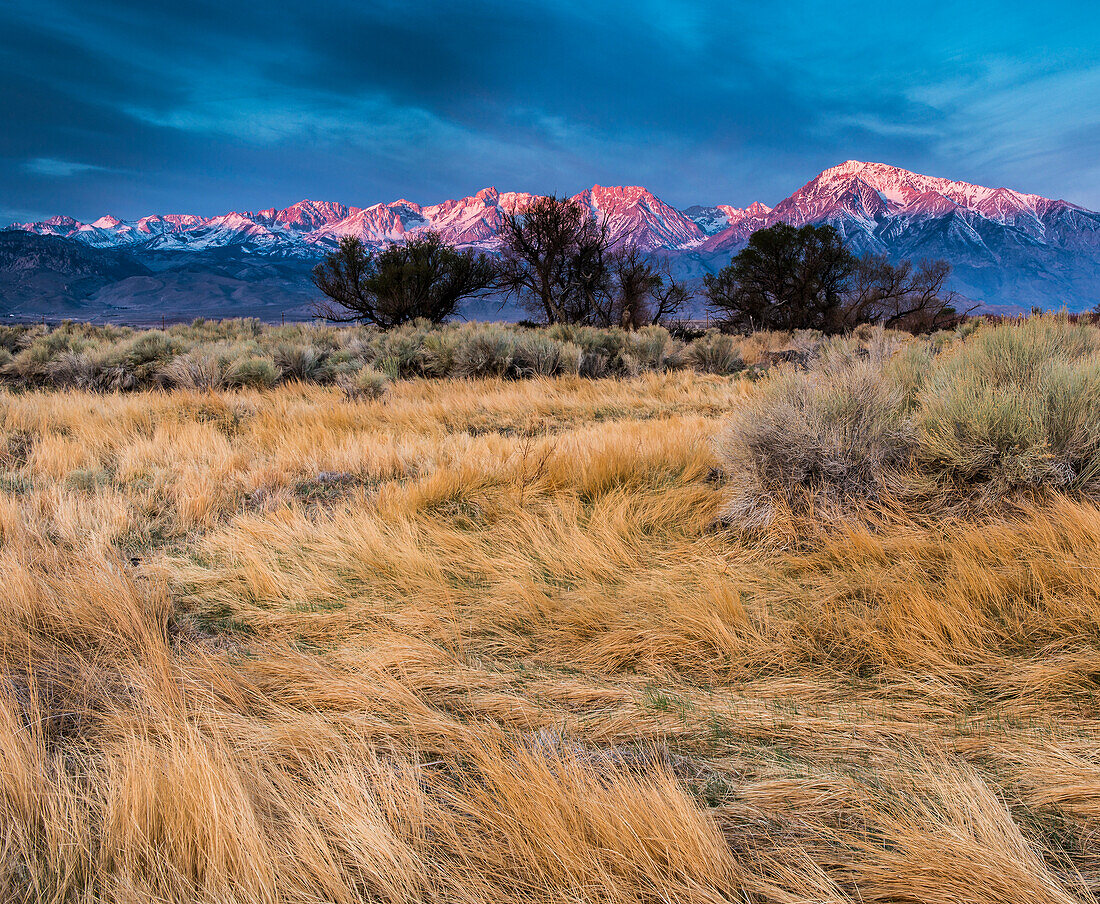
(201, 107)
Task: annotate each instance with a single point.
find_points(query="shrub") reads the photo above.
(1010, 408)
(301, 362)
(1015, 406)
(118, 377)
(152, 347)
(808, 342)
(818, 437)
(135, 363)
(593, 364)
(437, 353)
(909, 366)
(364, 384)
(486, 353)
(197, 371)
(650, 348)
(569, 358)
(30, 366)
(73, 370)
(258, 373)
(11, 338)
(714, 353)
(202, 354)
(403, 349)
(362, 348)
(535, 355)
(608, 343)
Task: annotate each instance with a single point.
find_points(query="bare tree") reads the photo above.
(554, 260)
(641, 291)
(344, 276)
(669, 302)
(902, 296)
(423, 277)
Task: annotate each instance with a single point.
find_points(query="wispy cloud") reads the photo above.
(48, 166)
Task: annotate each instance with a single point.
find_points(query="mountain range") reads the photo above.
(1008, 249)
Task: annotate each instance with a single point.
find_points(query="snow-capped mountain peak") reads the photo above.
(233, 220)
(756, 209)
(304, 216)
(634, 214)
(62, 221)
(712, 220)
(999, 240)
(900, 187)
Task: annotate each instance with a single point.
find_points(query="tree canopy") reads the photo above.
(554, 259)
(804, 277)
(786, 278)
(422, 277)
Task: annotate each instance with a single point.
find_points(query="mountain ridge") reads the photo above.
(1006, 246)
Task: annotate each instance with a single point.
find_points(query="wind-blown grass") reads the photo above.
(484, 641)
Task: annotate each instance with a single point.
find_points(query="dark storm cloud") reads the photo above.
(135, 107)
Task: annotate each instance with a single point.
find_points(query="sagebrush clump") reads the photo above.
(999, 410)
(1016, 406)
(229, 353)
(834, 433)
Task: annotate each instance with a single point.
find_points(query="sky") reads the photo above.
(207, 106)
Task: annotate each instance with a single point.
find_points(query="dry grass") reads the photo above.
(482, 641)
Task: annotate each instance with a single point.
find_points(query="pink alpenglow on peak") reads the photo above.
(377, 224)
(740, 224)
(476, 220)
(169, 223)
(857, 196)
(305, 215)
(898, 188)
(1003, 243)
(634, 214)
(757, 210)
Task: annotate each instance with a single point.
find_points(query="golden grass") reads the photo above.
(485, 642)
